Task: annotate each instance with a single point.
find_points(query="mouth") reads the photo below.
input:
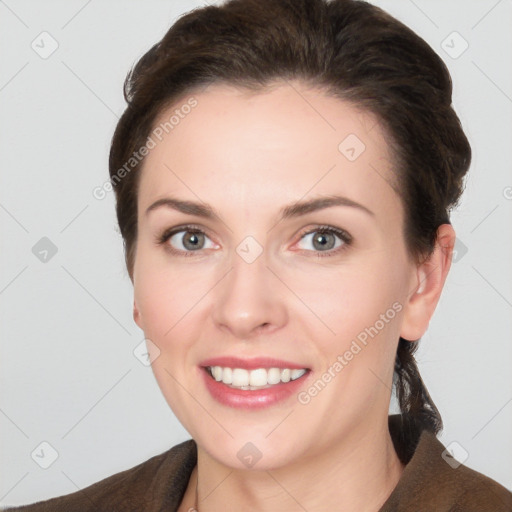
(252, 383)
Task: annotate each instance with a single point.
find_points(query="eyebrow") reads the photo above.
(293, 210)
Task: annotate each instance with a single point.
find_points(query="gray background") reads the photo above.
(68, 372)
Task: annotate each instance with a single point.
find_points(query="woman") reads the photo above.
(284, 174)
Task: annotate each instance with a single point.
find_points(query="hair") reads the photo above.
(348, 48)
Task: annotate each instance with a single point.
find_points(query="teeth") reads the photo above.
(227, 375)
(217, 373)
(295, 374)
(258, 377)
(254, 379)
(240, 376)
(274, 376)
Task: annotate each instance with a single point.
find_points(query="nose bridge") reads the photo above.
(245, 300)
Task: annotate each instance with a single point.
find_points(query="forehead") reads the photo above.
(282, 144)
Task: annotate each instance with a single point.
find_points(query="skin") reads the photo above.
(248, 155)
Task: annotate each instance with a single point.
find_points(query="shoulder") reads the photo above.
(434, 480)
(157, 483)
(477, 492)
(469, 489)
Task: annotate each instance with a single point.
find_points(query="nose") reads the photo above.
(249, 301)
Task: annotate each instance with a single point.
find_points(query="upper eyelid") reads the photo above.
(185, 227)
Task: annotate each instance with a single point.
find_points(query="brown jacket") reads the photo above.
(428, 483)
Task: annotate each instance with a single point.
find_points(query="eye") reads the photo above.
(187, 239)
(324, 239)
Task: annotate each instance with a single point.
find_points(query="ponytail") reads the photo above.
(417, 407)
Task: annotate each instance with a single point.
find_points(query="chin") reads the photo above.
(251, 455)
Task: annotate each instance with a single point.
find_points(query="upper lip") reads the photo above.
(251, 363)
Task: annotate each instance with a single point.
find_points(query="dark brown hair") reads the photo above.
(352, 50)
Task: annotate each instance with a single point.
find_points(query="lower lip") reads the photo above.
(247, 399)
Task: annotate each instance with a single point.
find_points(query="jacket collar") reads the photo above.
(432, 479)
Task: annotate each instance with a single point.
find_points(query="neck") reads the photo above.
(357, 474)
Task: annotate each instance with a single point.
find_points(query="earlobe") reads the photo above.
(429, 280)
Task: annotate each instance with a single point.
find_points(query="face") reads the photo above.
(269, 237)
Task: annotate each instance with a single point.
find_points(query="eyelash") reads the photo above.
(340, 233)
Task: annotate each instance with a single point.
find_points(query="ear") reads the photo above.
(136, 315)
(428, 283)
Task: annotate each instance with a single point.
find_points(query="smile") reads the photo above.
(264, 382)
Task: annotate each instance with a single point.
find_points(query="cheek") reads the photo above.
(170, 305)
(167, 296)
(360, 308)
(348, 299)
